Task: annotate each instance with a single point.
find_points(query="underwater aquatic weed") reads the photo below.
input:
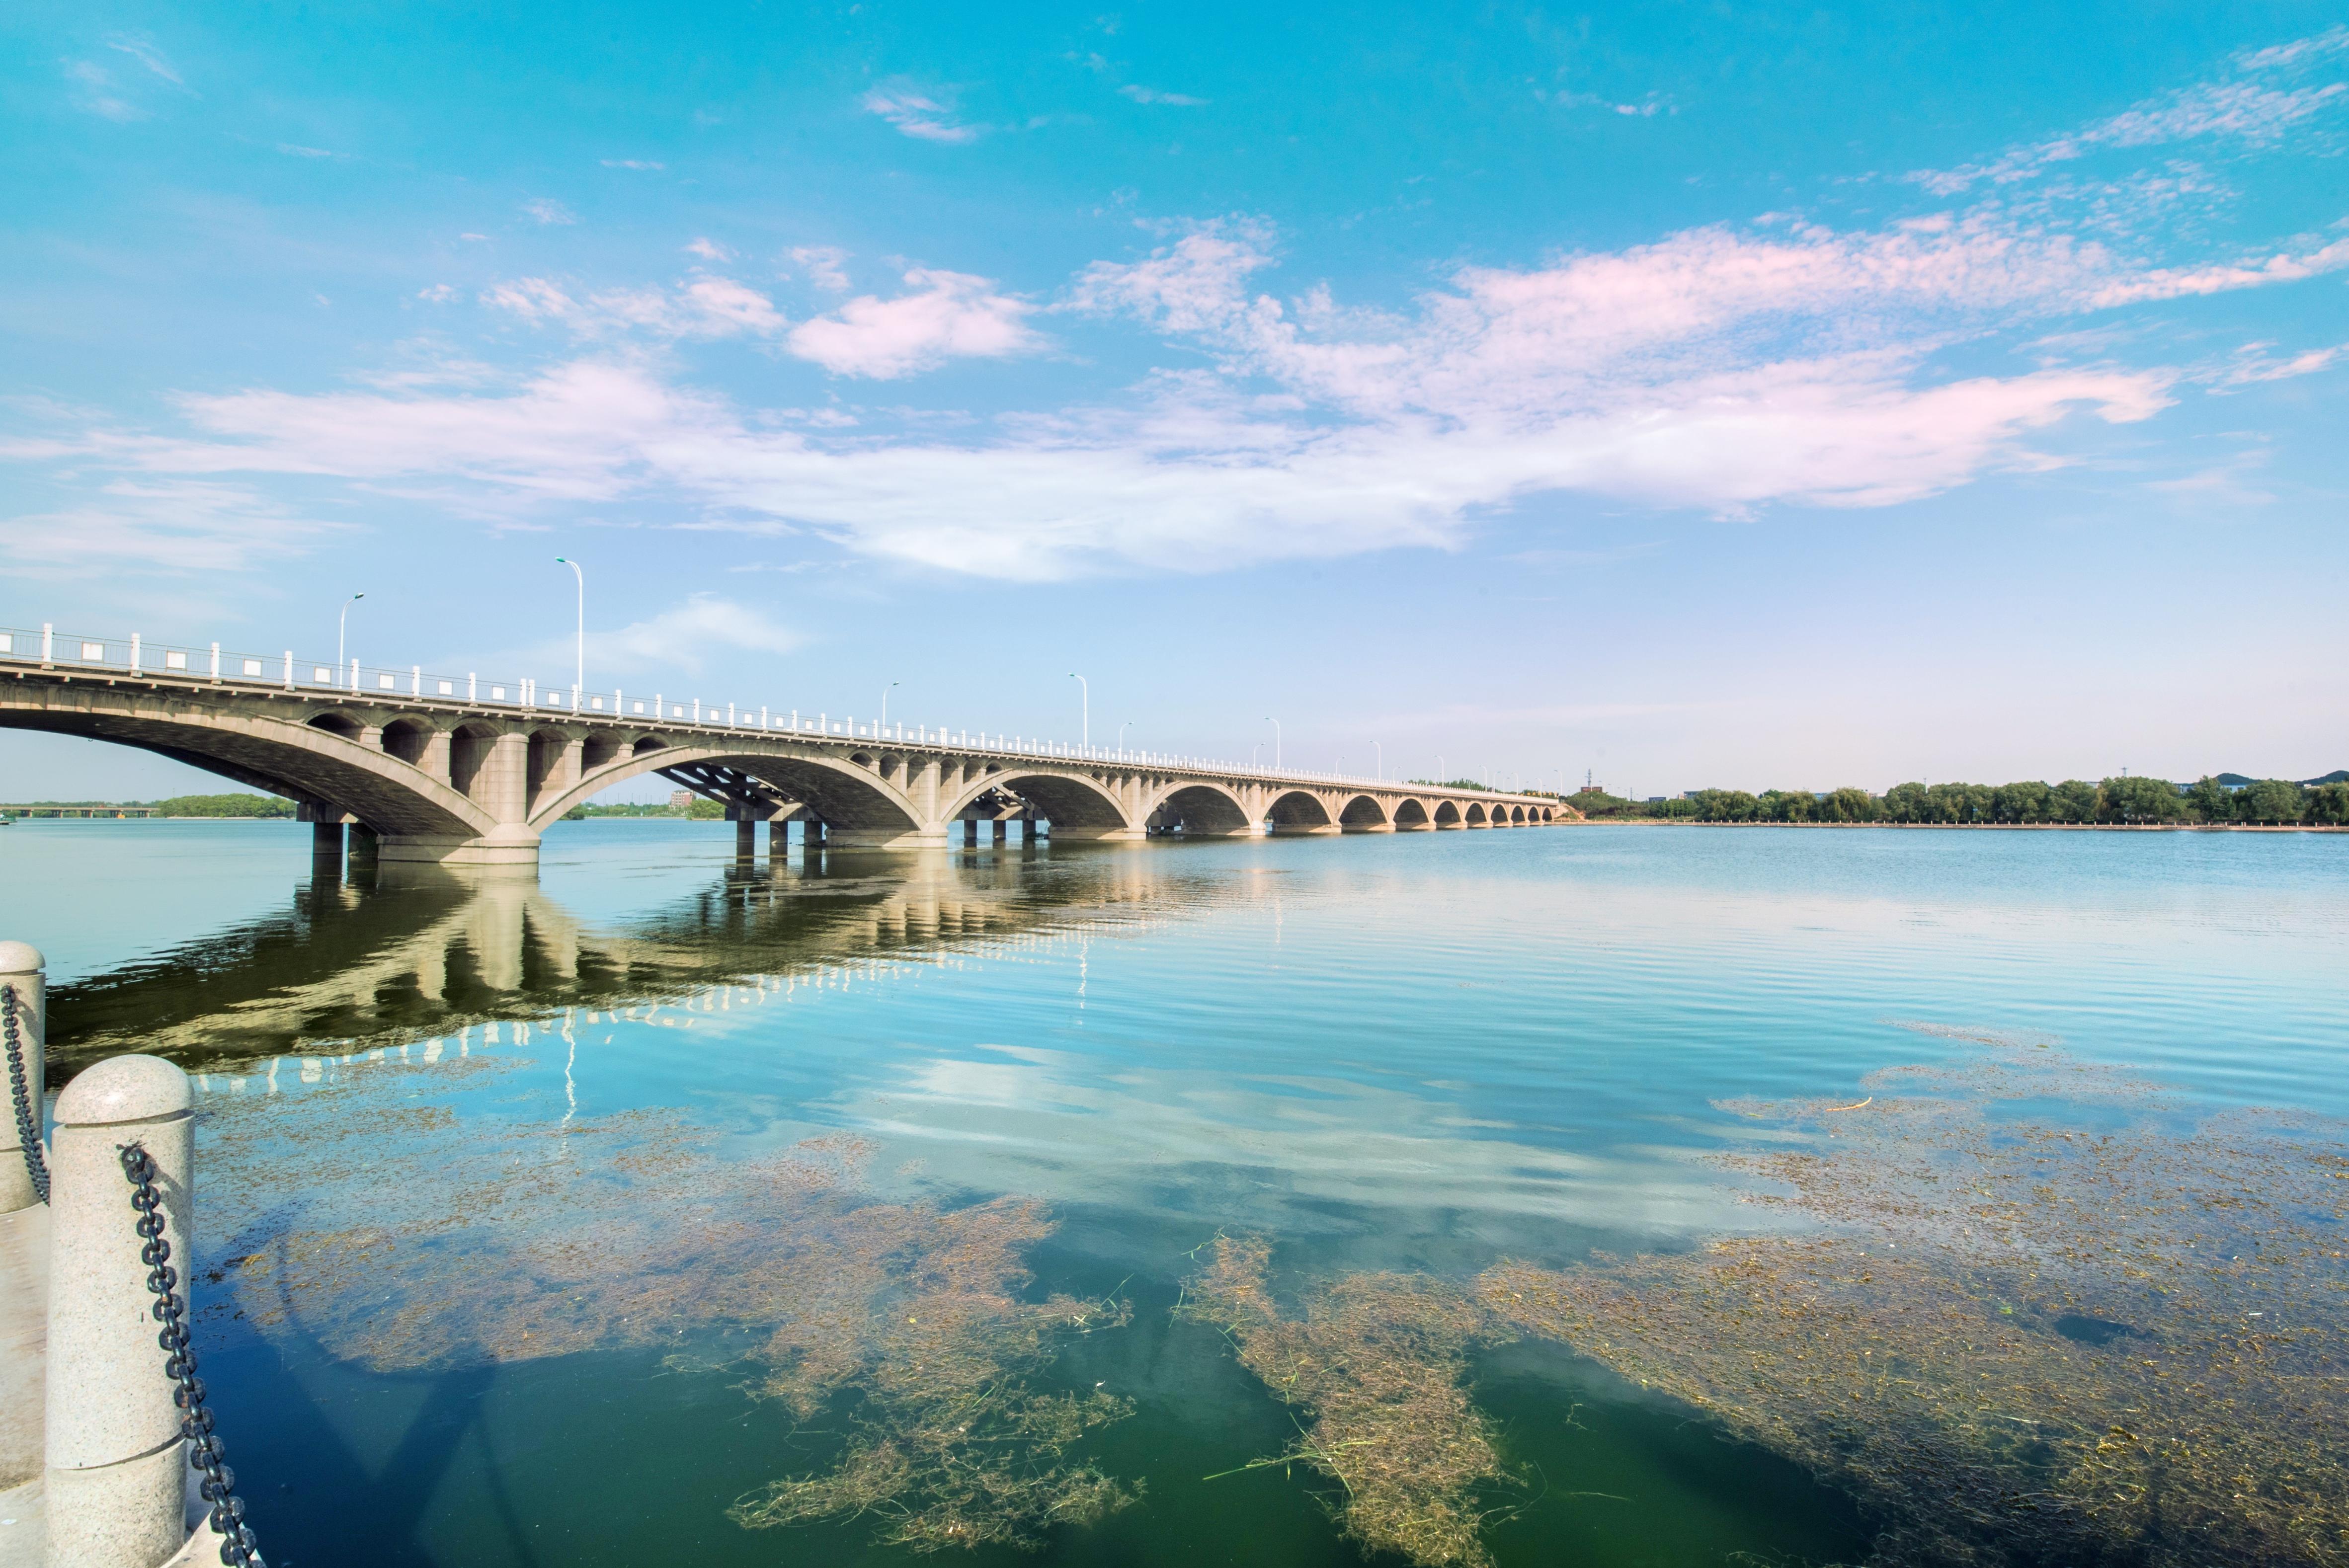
(483, 1240)
(1378, 1363)
(2024, 1339)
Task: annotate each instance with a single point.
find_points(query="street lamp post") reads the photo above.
(1380, 752)
(342, 624)
(1085, 688)
(579, 671)
(1123, 724)
(885, 690)
(1276, 741)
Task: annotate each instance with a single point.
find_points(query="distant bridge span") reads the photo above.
(443, 771)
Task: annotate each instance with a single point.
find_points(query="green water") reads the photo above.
(1421, 1054)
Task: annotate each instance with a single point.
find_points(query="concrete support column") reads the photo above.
(117, 1478)
(365, 846)
(745, 839)
(23, 1242)
(327, 848)
(435, 760)
(502, 786)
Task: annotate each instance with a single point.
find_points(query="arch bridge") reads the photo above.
(455, 778)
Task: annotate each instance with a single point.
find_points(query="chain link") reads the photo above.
(28, 1121)
(206, 1452)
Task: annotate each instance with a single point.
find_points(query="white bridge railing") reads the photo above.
(47, 648)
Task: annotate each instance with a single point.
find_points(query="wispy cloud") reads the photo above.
(1141, 94)
(294, 149)
(93, 89)
(161, 527)
(918, 114)
(149, 56)
(947, 316)
(827, 265)
(705, 306)
(2250, 108)
(708, 250)
(637, 164)
(690, 637)
(546, 210)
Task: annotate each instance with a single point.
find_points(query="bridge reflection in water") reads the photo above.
(379, 963)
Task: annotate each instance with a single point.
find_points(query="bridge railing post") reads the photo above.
(48, 644)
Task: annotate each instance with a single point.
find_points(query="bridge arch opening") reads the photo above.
(1201, 812)
(1072, 803)
(600, 750)
(407, 739)
(1362, 813)
(1517, 816)
(1474, 816)
(1447, 814)
(340, 724)
(1298, 813)
(1411, 813)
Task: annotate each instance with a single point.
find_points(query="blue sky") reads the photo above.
(1702, 396)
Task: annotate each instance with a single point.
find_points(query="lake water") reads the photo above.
(560, 1222)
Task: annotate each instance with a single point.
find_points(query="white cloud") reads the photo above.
(1140, 94)
(438, 293)
(292, 149)
(917, 114)
(638, 164)
(827, 265)
(709, 251)
(546, 210)
(947, 315)
(1725, 369)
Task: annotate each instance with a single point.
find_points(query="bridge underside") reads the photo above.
(454, 784)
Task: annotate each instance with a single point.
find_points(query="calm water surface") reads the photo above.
(1421, 1053)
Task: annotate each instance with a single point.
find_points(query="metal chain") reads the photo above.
(29, 1123)
(206, 1452)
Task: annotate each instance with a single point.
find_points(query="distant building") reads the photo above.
(682, 800)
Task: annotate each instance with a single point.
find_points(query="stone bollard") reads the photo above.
(23, 1240)
(116, 1475)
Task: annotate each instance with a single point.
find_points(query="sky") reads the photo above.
(1676, 395)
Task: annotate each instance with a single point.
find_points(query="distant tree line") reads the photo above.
(275, 806)
(2276, 801)
(699, 810)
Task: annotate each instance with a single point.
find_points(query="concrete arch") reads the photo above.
(1299, 811)
(1474, 817)
(1447, 814)
(1411, 815)
(1200, 811)
(320, 765)
(835, 792)
(1364, 814)
(1076, 804)
(1517, 816)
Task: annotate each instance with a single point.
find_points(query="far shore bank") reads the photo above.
(1975, 827)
